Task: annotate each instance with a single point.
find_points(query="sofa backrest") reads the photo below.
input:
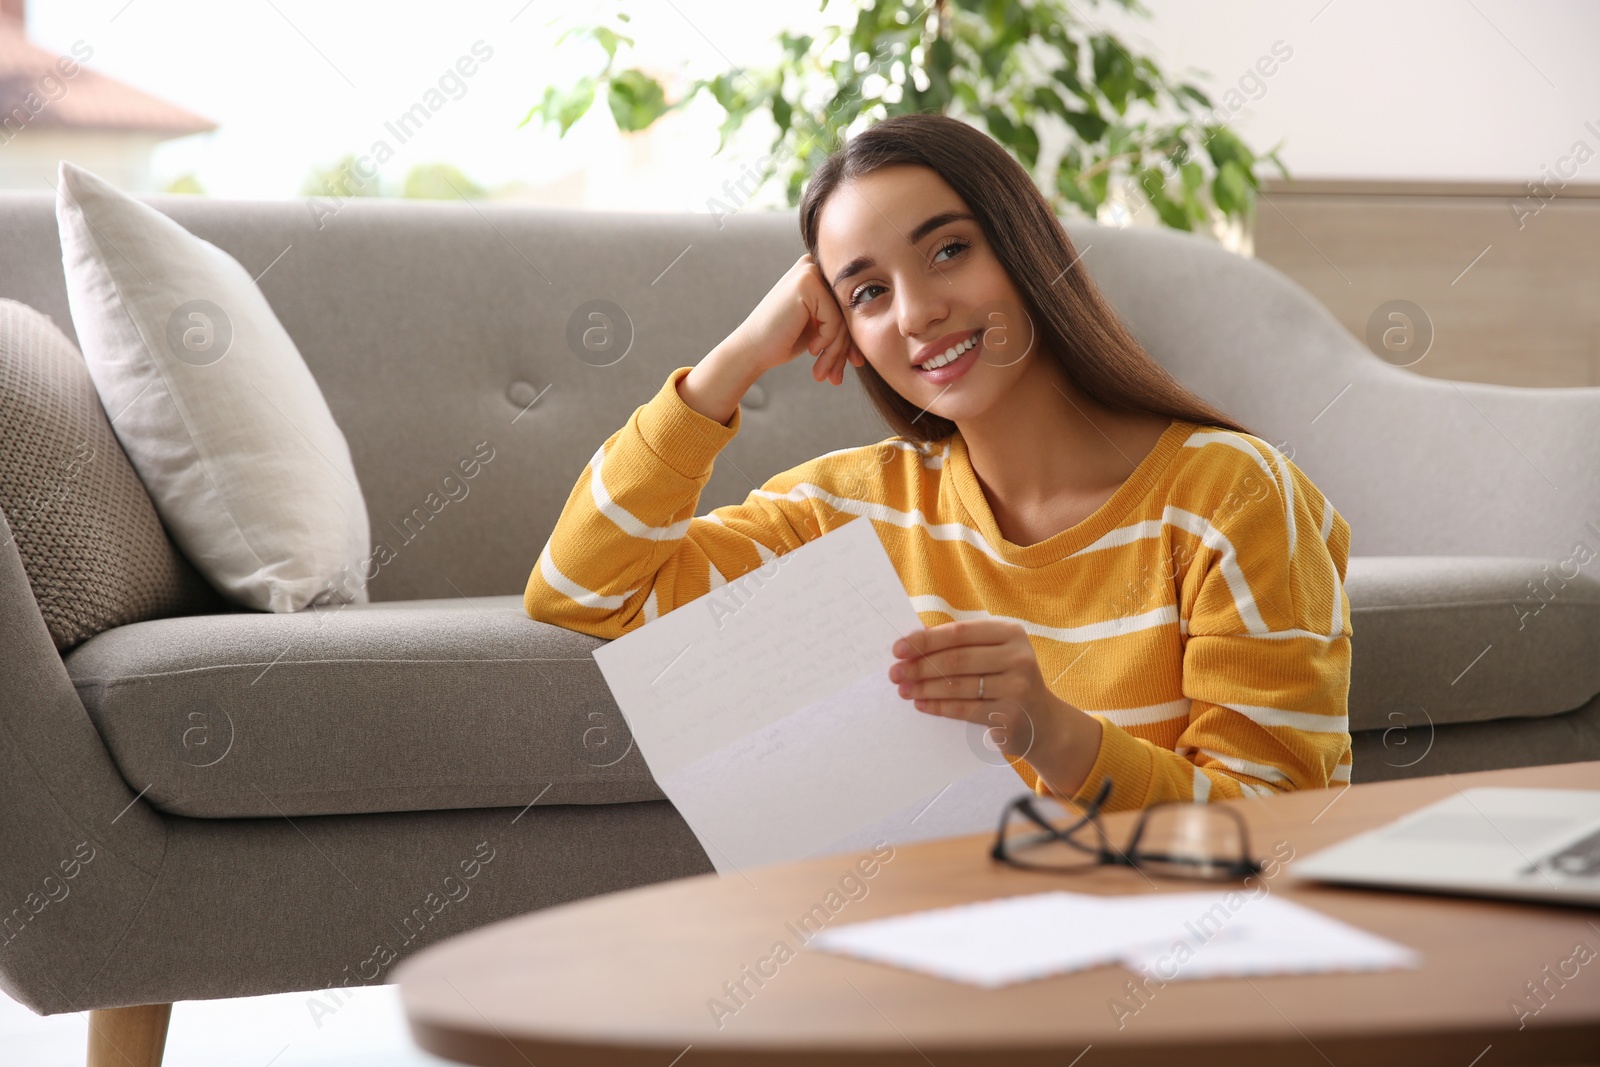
(1419, 466)
(431, 328)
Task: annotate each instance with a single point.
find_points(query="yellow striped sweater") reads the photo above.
(1199, 614)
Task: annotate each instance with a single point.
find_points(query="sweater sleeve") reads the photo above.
(627, 546)
(1266, 662)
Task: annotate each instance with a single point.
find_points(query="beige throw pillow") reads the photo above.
(212, 403)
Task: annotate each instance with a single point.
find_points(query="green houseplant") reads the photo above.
(1015, 68)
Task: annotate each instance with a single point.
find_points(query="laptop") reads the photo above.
(1534, 844)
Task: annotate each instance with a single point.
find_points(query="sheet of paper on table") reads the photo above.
(1170, 936)
(765, 713)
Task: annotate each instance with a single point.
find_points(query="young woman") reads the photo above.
(1113, 575)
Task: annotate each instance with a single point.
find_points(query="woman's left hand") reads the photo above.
(940, 668)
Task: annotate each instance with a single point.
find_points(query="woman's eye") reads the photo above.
(860, 296)
(856, 298)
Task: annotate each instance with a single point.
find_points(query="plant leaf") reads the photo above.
(636, 99)
(782, 113)
(567, 108)
(1088, 126)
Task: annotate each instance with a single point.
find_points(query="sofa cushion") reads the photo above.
(214, 405)
(461, 703)
(393, 706)
(94, 549)
(1451, 639)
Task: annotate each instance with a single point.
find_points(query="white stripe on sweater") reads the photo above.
(572, 590)
(1308, 721)
(1243, 601)
(1093, 631)
(1265, 771)
(944, 531)
(1335, 624)
(1122, 535)
(626, 521)
(1153, 713)
(1201, 438)
(1284, 635)
(766, 554)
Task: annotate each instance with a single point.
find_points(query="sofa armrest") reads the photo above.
(1418, 466)
(78, 852)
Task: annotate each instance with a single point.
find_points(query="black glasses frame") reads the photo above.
(1105, 853)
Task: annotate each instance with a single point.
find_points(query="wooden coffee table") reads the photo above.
(635, 977)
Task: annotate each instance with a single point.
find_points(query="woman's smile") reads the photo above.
(953, 362)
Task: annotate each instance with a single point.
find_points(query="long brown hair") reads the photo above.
(1075, 325)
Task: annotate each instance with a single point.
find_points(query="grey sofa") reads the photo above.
(291, 802)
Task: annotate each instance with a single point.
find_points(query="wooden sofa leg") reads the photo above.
(128, 1037)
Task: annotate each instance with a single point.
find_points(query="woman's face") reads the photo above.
(911, 268)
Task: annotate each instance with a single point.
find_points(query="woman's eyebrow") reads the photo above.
(918, 232)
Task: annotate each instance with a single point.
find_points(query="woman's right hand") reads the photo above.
(798, 315)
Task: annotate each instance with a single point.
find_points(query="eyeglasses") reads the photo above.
(1178, 839)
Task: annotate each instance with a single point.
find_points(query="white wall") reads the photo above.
(30, 160)
(1484, 90)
